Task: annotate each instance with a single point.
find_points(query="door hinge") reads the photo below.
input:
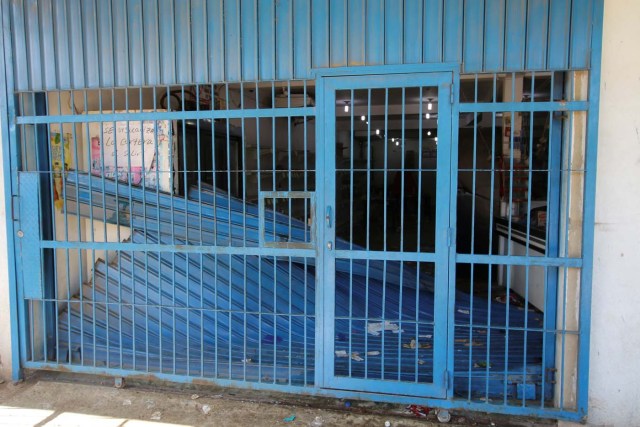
(450, 237)
(15, 208)
(451, 94)
(447, 379)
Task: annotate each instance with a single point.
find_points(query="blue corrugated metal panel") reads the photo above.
(120, 43)
(248, 16)
(114, 322)
(374, 42)
(168, 41)
(33, 43)
(452, 30)
(413, 15)
(91, 44)
(19, 47)
(537, 29)
(559, 28)
(105, 44)
(393, 33)
(48, 49)
(215, 30)
(494, 35)
(199, 40)
(432, 40)
(581, 28)
(284, 39)
(301, 38)
(136, 39)
(232, 58)
(356, 32)
(182, 28)
(151, 41)
(338, 33)
(473, 35)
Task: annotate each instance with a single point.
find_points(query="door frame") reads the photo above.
(324, 332)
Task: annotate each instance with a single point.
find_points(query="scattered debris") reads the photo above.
(126, 402)
(216, 396)
(341, 353)
(387, 424)
(289, 418)
(205, 409)
(411, 344)
(156, 416)
(347, 404)
(356, 356)
(317, 422)
(373, 353)
(377, 327)
(419, 410)
(482, 364)
(150, 404)
(194, 396)
(247, 360)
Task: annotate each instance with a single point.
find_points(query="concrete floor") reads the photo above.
(47, 399)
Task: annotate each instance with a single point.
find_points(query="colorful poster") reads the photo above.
(132, 151)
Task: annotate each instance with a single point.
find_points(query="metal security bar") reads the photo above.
(520, 201)
(139, 207)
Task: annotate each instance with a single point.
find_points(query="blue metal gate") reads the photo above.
(184, 208)
(387, 331)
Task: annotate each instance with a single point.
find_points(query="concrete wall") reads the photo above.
(614, 390)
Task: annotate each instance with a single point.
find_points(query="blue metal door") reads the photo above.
(386, 231)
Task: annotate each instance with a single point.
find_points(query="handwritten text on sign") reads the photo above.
(131, 150)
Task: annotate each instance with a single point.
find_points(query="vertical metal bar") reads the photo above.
(402, 203)
(368, 239)
(351, 166)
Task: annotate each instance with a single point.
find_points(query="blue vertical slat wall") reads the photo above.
(537, 21)
(108, 43)
(515, 31)
(90, 43)
(432, 31)
(493, 35)
(473, 41)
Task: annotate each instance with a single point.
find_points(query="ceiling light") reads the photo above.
(362, 118)
(436, 139)
(428, 116)
(429, 106)
(377, 131)
(397, 143)
(428, 133)
(346, 106)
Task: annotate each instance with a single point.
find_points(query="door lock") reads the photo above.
(329, 245)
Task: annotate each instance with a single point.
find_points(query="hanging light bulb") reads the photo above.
(428, 116)
(346, 107)
(397, 143)
(436, 139)
(362, 118)
(428, 133)
(429, 106)
(377, 131)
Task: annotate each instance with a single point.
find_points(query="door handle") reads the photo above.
(328, 216)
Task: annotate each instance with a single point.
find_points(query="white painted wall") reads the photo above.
(5, 319)
(614, 390)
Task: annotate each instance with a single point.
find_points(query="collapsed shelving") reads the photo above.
(252, 318)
